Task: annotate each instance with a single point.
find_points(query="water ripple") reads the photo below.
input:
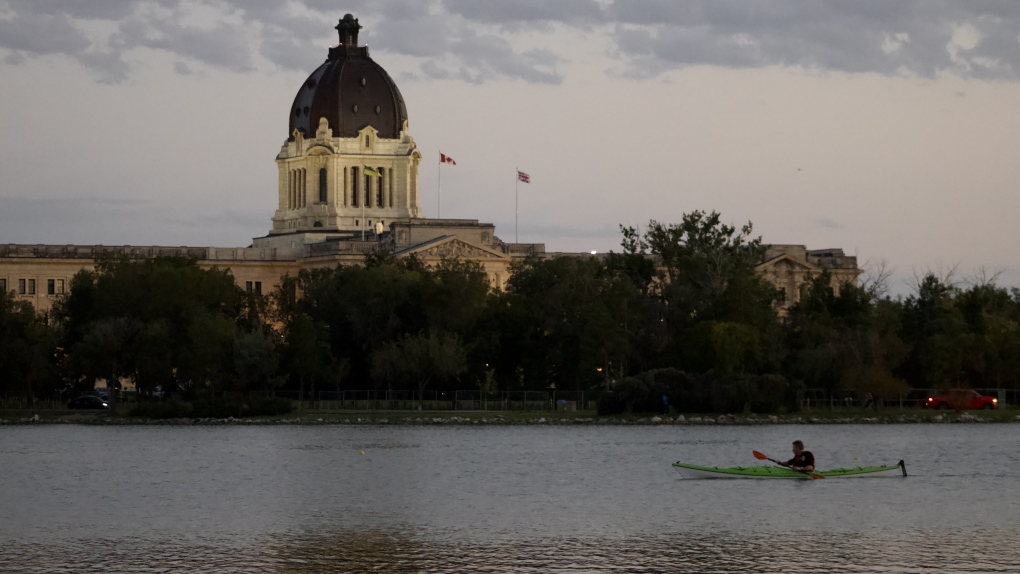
(379, 551)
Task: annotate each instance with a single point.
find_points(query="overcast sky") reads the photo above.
(887, 128)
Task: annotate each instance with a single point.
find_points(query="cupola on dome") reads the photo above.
(350, 90)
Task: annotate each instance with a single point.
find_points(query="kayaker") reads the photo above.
(802, 459)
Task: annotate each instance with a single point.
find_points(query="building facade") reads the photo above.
(348, 186)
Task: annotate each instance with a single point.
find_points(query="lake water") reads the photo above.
(502, 499)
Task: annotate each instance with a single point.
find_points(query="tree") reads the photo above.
(162, 321)
(27, 347)
(255, 362)
(308, 352)
(848, 340)
(709, 274)
(421, 359)
(107, 351)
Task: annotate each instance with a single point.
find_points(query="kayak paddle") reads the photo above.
(761, 456)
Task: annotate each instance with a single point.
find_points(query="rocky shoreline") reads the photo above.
(504, 420)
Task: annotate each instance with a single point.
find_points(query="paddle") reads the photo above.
(761, 456)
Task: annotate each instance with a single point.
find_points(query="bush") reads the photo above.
(712, 392)
(213, 408)
(643, 393)
(172, 409)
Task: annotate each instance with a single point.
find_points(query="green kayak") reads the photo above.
(698, 471)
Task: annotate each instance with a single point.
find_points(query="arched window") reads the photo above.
(379, 187)
(354, 187)
(368, 190)
(323, 194)
(389, 182)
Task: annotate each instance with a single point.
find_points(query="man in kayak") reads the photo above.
(802, 460)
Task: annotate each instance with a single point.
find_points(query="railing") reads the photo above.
(524, 248)
(915, 398)
(464, 400)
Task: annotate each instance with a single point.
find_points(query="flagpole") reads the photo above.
(439, 192)
(517, 183)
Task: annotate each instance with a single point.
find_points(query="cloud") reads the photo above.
(484, 40)
(829, 223)
(917, 37)
(118, 221)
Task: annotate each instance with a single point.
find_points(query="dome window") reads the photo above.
(311, 83)
(297, 112)
(305, 110)
(377, 110)
(355, 108)
(363, 82)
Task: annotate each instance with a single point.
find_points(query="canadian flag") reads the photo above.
(523, 176)
(443, 158)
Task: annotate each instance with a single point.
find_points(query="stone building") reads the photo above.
(348, 185)
(788, 267)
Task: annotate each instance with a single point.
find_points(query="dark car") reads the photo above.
(87, 403)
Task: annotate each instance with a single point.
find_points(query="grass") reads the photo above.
(310, 416)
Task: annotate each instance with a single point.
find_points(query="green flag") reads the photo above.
(371, 171)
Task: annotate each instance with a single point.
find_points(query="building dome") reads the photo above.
(350, 90)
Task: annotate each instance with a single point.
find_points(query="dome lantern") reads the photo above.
(348, 29)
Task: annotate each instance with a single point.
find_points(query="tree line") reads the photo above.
(680, 317)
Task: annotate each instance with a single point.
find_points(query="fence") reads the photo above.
(915, 398)
(448, 400)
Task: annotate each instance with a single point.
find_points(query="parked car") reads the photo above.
(87, 402)
(961, 399)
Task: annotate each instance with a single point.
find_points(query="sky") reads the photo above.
(888, 129)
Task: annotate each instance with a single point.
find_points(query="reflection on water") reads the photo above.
(529, 499)
(378, 551)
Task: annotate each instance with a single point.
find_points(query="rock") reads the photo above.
(35, 418)
(680, 419)
(656, 420)
(722, 419)
(938, 418)
(541, 420)
(773, 419)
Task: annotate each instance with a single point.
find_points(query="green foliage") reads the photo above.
(27, 365)
(682, 311)
(418, 359)
(163, 321)
(218, 408)
(714, 391)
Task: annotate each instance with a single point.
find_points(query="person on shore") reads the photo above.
(869, 400)
(802, 460)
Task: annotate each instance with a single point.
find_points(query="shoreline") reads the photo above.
(517, 418)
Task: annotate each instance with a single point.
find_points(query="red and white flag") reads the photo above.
(443, 158)
(521, 176)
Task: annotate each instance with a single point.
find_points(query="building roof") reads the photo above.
(350, 90)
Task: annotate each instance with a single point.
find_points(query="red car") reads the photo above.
(962, 399)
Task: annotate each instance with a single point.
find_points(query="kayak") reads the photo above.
(698, 471)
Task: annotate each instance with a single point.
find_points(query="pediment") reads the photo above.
(321, 149)
(451, 247)
(785, 260)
